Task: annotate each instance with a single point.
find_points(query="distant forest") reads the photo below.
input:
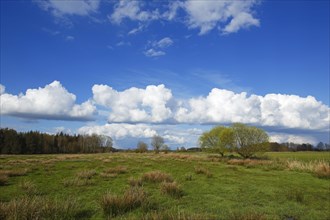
(34, 142)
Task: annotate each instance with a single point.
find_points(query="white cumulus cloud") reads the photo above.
(2, 89)
(135, 105)
(221, 106)
(155, 104)
(131, 10)
(51, 102)
(69, 7)
(292, 138)
(207, 15)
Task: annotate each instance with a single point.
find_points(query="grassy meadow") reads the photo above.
(165, 186)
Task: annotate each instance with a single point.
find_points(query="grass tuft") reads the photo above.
(179, 215)
(3, 179)
(135, 182)
(201, 170)
(157, 177)
(172, 189)
(249, 215)
(40, 208)
(114, 205)
(295, 195)
(28, 187)
(320, 168)
(116, 170)
(77, 182)
(10, 173)
(86, 174)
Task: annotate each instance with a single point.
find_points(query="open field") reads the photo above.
(302, 155)
(164, 186)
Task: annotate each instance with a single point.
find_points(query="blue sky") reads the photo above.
(132, 69)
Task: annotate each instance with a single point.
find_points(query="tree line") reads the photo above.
(34, 142)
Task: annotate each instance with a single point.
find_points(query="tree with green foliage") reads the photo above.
(141, 147)
(219, 140)
(157, 143)
(249, 140)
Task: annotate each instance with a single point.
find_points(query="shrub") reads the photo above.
(157, 176)
(114, 205)
(172, 189)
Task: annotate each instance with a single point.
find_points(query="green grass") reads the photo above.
(302, 155)
(175, 186)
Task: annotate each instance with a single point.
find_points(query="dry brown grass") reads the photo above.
(135, 182)
(108, 175)
(202, 170)
(249, 162)
(157, 177)
(77, 182)
(117, 170)
(39, 208)
(173, 189)
(10, 173)
(319, 168)
(29, 187)
(114, 205)
(3, 179)
(86, 174)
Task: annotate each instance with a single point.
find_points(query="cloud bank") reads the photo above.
(51, 102)
(156, 104)
(144, 112)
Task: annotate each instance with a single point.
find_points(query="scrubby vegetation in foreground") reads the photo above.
(165, 186)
